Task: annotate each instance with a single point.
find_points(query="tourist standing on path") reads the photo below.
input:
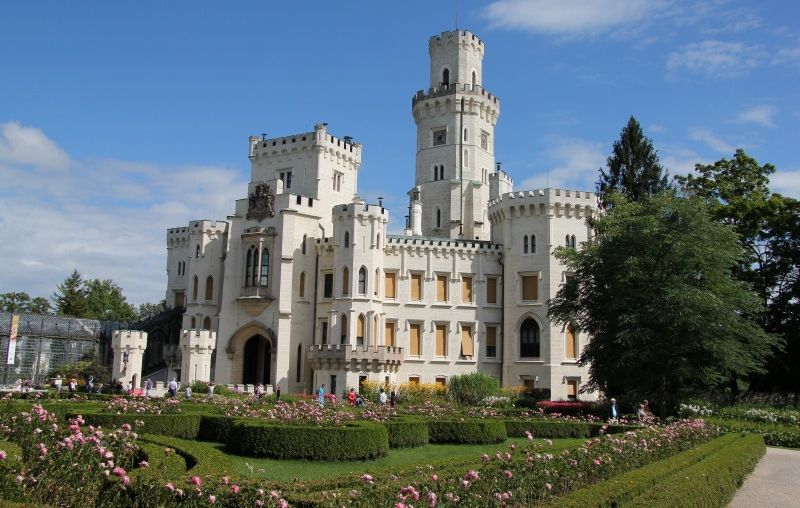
(321, 395)
(383, 397)
(614, 414)
(90, 384)
(57, 382)
(148, 387)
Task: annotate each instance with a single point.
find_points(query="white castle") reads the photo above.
(303, 284)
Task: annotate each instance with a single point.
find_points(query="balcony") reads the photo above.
(340, 355)
(254, 299)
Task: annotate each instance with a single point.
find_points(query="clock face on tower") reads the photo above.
(439, 137)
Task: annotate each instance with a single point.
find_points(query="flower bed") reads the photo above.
(354, 441)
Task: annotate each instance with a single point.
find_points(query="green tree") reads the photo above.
(86, 366)
(22, 302)
(105, 301)
(634, 169)
(70, 297)
(654, 291)
(150, 310)
(768, 224)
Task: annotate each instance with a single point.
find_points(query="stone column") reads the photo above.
(128, 347)
(196, 349)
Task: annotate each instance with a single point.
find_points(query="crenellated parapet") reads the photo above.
(543, 202)
(197, 346)
(345, 150)
(128, 347)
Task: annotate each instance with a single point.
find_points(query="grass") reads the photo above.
(289, 470)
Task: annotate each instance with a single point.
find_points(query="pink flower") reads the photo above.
(430, 498)
(195, 480)
(212, 499)
(435, 477)
(549, 486)
(144, 464)
(282, 503)
(485, 458)
(259, 503)
(367, 478)
(170, 487)
(235, 489)
(126, 480)
(508, 474)
(596, 462)
(471, 475)
(3, 455)
(529, 435)
(226, 480)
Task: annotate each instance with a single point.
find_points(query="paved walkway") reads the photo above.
(775, 482)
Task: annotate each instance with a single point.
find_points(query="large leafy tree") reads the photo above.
(654, 291)
(633, 169)
(150, 310)
(105, 301)
(768, 224)
(70, 297)
(22, 302)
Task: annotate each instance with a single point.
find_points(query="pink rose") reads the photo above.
(195, 480)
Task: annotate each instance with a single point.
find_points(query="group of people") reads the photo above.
(356, 400)
(642, 413)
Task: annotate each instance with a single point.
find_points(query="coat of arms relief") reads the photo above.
(261, 203)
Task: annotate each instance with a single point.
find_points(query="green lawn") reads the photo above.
(288, 470)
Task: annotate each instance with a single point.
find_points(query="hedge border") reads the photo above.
(179, 425)
(665, 476)
(354, 441)
(407, 432)
(473, 431)
(775, 434)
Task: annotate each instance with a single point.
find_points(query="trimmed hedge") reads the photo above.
(215, 428)
(353, 441)
(175, 425)
(162, 464)
(407, 433)
(775, 434)
(671, 477)
(201, 458)
(553, 430)
(467, 431)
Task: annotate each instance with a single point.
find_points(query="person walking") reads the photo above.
(393, 398)
(321, 395)
(90, 384)
(172, 388)
(614, 415)
(148, 388)
(277, 393)
(383, 397)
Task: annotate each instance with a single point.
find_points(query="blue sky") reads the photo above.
(118, 120)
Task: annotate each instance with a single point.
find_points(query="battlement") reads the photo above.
(402, 241)
(555, 202)
(198, 338)
(132, 338)
(208, 226)
(261, 146)
(501, 176)
(361, 210)
(456, 37)
(452, 89)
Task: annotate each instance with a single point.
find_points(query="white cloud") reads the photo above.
(786, 55)
(657, 128)
(28, 145)
(574, 164)
(679, 160)
(763, 115)
(573, 18)
(712, 140)
(715, 59)
(107, 218)
(786, 182)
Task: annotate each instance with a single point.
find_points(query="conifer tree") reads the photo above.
(70, 297)
(633, 169)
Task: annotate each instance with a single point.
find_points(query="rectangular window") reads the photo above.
(337, 181)
(179, 299)
(530, 385)
(285, 176)
(530, 287)
(491, 342)
(571, 344)
(333, 384)
(413, 380)
(466, 289)
(484, 140)
(441, 340)
(413, 339)
(441, 288)
(324, 332)
(416, 286)
(467, 350)
(328, 286)
(439, 137)
(441, 380)
(572, 389)
(360, 324)
(491, 290)
(389, 285)
(388, 336)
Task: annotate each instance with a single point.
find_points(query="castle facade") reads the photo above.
(303, 284)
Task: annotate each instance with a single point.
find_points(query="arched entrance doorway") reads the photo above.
(257, 361)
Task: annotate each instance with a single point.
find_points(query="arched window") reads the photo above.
(343, 329)
(570, 342)
(197, 251)
(378, 240)
(345, 281)
(474, 78)
(346, 239)
(438, 218)
(441, 172)
(209, 288)
(567, 243)
(466, 158)
(194, 289)
(303, 247)
(179, 268)
(533, 244)
(435, 173)
(301, 292)
(299, 363)
(248, 281)
(207, 323)
(465, 134)
(194, 323)
(573, 241)
(529, 345)
(525, 244)
(361, 325)
(362, 281)
(264, 280)
(377, 281)
(446, 77)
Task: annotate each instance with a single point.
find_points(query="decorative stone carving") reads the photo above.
(261, 203)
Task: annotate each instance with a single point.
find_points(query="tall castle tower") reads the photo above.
(455, 121)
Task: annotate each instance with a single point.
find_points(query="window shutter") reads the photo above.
(466, 289)
(416, 286)
(530, 287)
(441, 340)
(491, 290)
(388, 336)
(570, 346)
(466, 342)
(414, 340)
(389, 283)
(441, 288)
(491, 336)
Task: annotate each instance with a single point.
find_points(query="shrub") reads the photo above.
(472, 389)
(175, 425)
(354, 441)
(407, 432)
(161, 462)
(419, 393)
(564, 407)
(774, 434)
(215, 428)
(467, 431)
(551, 429)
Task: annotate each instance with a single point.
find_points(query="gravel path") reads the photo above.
(775, 482)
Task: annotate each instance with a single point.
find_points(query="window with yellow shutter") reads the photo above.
(530, 287)
(466, 342)
(571, 342)
(491, 290)
(416, 286)
(414, 339)
(441, 288)
(413, 380)
(491, 342)
(572, 389)
(466, 289)
(388, 336)
(441, 340)
(389, 285)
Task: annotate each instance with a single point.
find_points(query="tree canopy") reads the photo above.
(654, 291)
(70, 297)
(768, 224)
(22, 302)
(633, 169)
